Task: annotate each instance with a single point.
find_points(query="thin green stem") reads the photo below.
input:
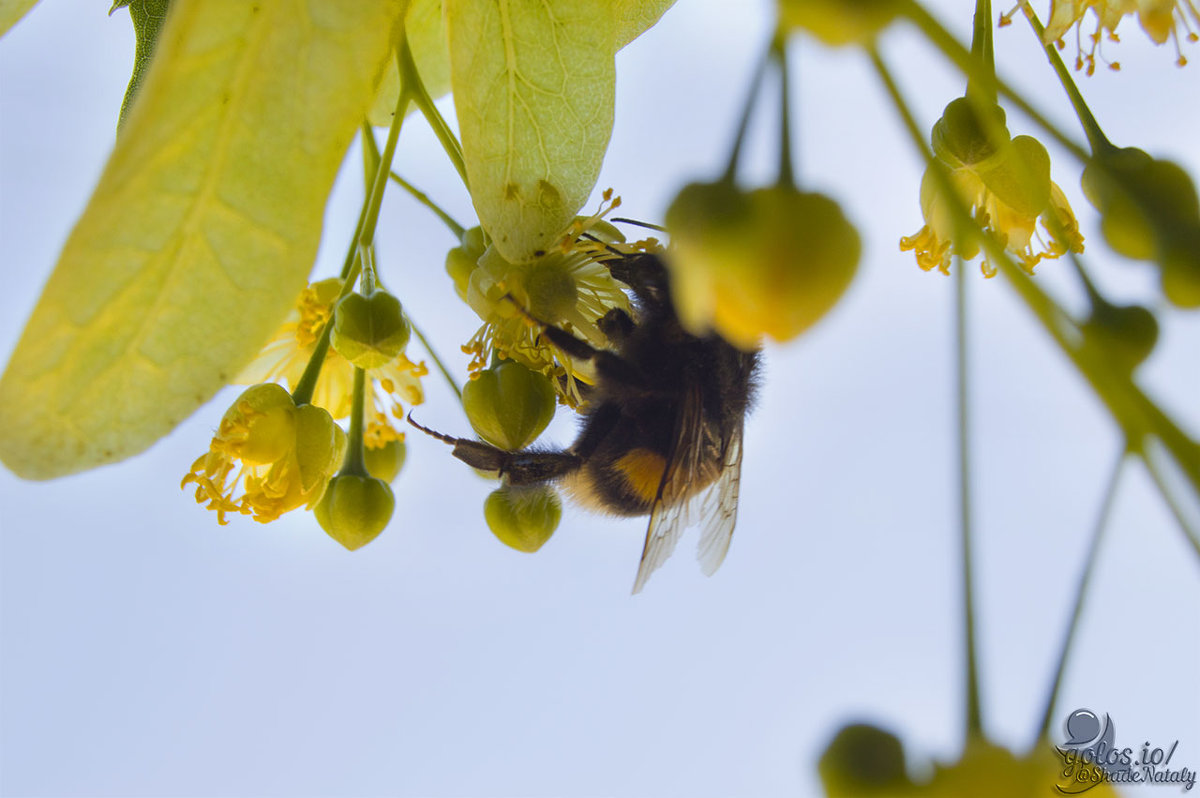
(787, 176)
(974, 721)
(974, 718)
(355, 461)
(410, 81)
(437, 360)
(1091, 128)
(370, 154)
(423, 198)
(1081, 593)
(755, 84)
(1181, 516)
(984, 52)
(959, 55)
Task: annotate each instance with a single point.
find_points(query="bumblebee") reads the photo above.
(662, 425)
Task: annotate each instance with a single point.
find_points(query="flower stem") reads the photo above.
(974, 721)
(355, 461)
(984, 52)
(1096, 138)
(437, 360)
(410, 81)
(787, 175)
(1081, 593)
(423, 198)
(755, 84)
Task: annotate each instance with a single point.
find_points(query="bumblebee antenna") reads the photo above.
(443, 438)
(657, 227)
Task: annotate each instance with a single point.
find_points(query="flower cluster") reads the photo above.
(568, 287)
(1004, 182)
(1160, 19)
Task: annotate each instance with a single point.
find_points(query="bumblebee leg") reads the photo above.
(616, 325)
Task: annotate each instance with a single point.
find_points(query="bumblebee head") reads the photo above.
(646, 274)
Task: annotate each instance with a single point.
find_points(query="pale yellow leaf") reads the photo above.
(533, 90)
(635, 17)
(201, 231)
(11, 12)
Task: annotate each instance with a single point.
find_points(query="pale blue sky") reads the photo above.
(144, 650)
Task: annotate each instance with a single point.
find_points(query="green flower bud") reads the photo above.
(1123, 336)
(386, 461)
(369, 331)
(1148, 207)
(523, 518)
(509, 405)
(839, 22)
(461, 260)
(863, 760)
(354, 509)
(773, 266)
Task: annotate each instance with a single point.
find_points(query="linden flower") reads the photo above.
(1160, 19)
(1008, 193)
(268, 456)
(286, 356)
(568, 287)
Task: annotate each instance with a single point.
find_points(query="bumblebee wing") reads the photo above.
(719, 507)
(671, 512)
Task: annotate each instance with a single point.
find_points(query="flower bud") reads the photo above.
(355, 509)
(863, 760)
(1148, 207)
(461, 260)
(774, 264)
(509, 405)
(839, 22)
(524, 517)
(386, 461)
(369, 331)
(1122, 336)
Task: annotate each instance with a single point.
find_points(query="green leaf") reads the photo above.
(201, 231)
(148, 17)
(11, 12)
(635, 17)
(533, 88)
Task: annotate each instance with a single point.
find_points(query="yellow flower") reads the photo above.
(285, 357)
(1160, 19)
(568, 287)
(1004, 182)
(268, 456)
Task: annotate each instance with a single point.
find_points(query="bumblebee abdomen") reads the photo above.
(626, 485)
